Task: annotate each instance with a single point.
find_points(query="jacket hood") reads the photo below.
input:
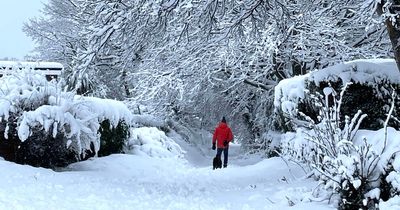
(222, 125)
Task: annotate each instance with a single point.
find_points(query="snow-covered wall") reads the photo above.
(47, 68)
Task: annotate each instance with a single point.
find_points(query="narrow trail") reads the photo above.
(199, 153)
(249, 182)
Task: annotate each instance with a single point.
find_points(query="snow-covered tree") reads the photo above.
(58, 32)
(206, 59)
(389, 10)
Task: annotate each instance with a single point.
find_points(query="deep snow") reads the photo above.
(124, 181)
(155, 174)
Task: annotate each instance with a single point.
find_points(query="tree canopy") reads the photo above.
(203, 59)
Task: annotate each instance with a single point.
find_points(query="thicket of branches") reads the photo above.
(201, 60)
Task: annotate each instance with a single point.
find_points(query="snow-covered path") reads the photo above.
(140, 182)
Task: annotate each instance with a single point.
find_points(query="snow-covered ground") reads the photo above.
(155, 174)
(125, 181)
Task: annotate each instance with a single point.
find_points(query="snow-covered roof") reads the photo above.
(49, 68)
(25, 64)
(365, 71)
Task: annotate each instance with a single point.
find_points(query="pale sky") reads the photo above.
(13, 13)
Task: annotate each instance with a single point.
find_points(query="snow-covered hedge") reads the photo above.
(77, 118)
(30, 105)
(289, 92)
(371, 80)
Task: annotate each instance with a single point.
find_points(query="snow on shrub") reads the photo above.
(112, 110)
(290, 91)
(78, 119)
(33, 104)
(359, 165)
(361, 175)
(372, 80)
(153, 142)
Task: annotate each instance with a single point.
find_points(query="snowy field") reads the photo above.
(125, 181)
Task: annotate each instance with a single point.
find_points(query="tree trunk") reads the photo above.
(394, 35)
(393, 28)
(124, 78)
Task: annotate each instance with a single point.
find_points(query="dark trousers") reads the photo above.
(219, 152)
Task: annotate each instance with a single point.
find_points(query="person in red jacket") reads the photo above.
(222, 136)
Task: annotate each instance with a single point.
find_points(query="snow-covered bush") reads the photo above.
(153, 142)
(371, 80)
(34, 112)
(355, 164)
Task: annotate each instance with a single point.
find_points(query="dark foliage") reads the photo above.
(9, 145)
(41, 149)
(386, 188)
(112, 140)
(282, 123)
(373, 100)
(361, 97)
(352, 198)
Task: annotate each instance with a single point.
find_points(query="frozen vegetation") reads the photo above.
(306, 86)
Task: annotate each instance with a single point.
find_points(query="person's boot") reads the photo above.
(225, 166)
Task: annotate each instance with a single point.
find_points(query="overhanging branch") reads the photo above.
(270, 83)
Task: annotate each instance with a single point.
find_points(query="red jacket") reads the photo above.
(222, 133)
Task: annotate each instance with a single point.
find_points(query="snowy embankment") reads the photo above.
(143, 182)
